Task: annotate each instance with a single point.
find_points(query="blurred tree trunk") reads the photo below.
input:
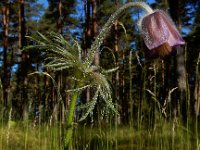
(181, 79)
(58, 74)
(175, 11)
(181, 71)
(45, 95)
(117, 82)
(24, 60)
(197, 89)
(87, 39)
(94, 29)
(60, 22)
(124, 101)
(197, 96)
(6, 62)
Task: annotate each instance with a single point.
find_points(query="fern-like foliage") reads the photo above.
(61, 55)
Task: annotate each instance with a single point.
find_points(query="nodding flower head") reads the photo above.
(160, 34)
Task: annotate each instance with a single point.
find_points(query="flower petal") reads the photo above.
(158, 28)
(175, 37)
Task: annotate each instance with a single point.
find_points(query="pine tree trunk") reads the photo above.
(197, 89)
(175, 11)
(94, 29)
(60, 22)
(181, 78)
(45, 95)
(24, 61)
(117, 83)
(58, 73)
(197, 96)
(87, 40)
(181, 70)
(6, 63)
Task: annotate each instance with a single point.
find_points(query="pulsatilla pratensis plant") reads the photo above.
(61, 55)
(160, 36)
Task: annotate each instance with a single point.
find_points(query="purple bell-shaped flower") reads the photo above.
(160, 34)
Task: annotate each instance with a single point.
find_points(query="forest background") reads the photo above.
(144, 90)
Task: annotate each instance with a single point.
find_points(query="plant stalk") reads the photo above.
(70, 119)
(106, 28)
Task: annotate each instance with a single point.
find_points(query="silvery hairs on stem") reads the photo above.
(106, 28)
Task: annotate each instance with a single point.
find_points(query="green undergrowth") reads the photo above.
(164, 135)
(20, 136)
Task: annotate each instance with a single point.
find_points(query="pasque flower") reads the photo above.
(160, 34)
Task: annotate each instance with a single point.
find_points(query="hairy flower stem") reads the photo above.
(70, 119)
(106, 28)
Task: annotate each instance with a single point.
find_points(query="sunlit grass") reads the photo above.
(164, 135)
(25, 136)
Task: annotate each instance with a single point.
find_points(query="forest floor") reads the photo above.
(20, 136)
